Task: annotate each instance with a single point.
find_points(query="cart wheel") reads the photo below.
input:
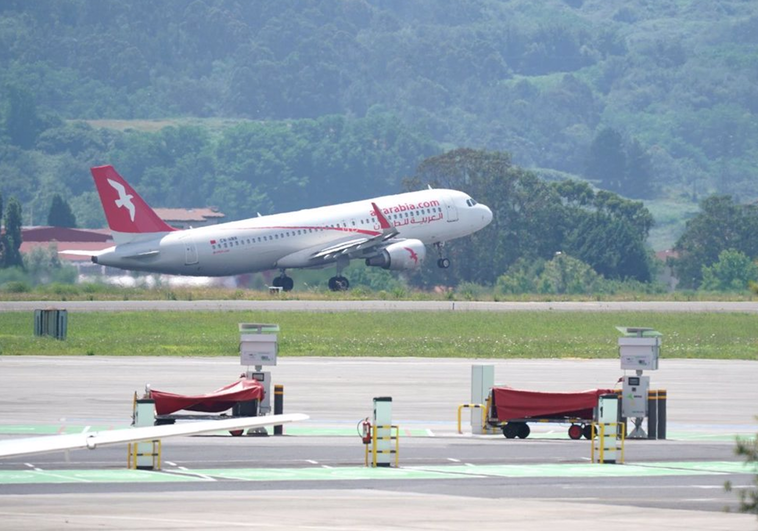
(587, 431)
(510, 430)
(524, 430)
(575, 431)
(236, 433)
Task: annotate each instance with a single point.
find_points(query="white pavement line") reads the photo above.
(327, 466)
(311, 461)
(170, 463)
(44, 473)
(33, 467)
(453, 459)
(186, 472)
(469, 464)
(429, 433)
(86, 429)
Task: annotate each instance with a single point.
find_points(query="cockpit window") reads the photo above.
(470, 202)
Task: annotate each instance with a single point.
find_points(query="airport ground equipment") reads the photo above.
(51, 322)
(383, 438)
(242, 397)
(144, 455)
(259, 347)
(482, 380)
(608, 446)
(481, 407)
(513, 409)
(639, 350)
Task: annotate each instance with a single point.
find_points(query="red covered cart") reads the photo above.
(512, 410)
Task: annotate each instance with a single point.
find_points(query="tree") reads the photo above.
(721, 224)
(747, 448)
(12, 238)
(527, 215)
(638, 174)
(733, 272)
(607, 161)
(22, 123)
(3, 239)
(60, 214)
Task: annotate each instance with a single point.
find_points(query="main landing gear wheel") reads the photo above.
(524, 430)
(587, 431)
(339, 283)
(284, 282)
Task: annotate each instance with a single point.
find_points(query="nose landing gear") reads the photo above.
(442, 262)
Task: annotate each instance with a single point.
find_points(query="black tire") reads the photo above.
(511, 430)
(443, 263)
(524, 430)
(287, 283)
(587, 431)
(277, 282)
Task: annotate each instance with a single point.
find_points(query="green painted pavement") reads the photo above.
(8, 477)
(724, 467)
(326, 474)
(586, 470)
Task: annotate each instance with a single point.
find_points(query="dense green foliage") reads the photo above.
(537, 79)
(501, 335)
(533, 220)
(721, 225)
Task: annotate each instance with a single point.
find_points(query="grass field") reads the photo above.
(423, 334)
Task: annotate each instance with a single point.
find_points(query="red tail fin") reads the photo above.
(125, 210)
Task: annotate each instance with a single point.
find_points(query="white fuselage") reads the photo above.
(287, 240)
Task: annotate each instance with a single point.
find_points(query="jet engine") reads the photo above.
(407, 254)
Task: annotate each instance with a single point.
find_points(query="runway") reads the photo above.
(385, 306)
(313, 478)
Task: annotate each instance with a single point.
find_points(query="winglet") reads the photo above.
(383, 223)
(128, 215)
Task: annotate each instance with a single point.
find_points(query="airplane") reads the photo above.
(93, 440)
(390, 232)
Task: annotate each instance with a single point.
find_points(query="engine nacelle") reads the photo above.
(408, 254)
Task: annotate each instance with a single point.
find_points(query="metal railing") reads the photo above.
(484, 409)
(598, 444)
(374, 446)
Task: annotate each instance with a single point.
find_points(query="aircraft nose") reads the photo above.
(486, 215)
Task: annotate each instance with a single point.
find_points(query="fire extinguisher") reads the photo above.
(365, 432)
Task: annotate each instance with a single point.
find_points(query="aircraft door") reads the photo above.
(451, 210)
(190, 251)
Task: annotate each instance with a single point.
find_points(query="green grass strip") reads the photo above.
(421, 334)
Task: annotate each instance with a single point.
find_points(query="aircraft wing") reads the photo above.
(75, 441)
(352, 247)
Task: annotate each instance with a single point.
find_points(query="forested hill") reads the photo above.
(672, 85)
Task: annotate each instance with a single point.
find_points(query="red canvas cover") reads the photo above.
(219, 400)
(518, 404)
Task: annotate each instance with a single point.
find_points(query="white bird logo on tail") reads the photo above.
(124, 199)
